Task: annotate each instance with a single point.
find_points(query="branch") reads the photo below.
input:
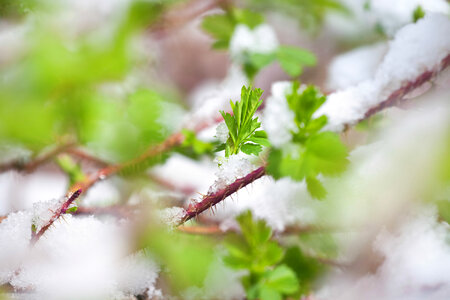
(39, 160)
(62, 210)
(397, 96)
(212, 199)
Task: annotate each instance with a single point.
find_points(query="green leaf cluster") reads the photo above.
(256, 252)
(242, 126)
(57, 88)
(314, 152)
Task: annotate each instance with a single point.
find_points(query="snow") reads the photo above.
(171, 216)
(15, 235)
(390, 16)
(355, 66)
(416, 48)
(261, 40)
(278, 118)
(280, 203)
(230, 169)
(416, 264)
(222, 132)
(77, 258)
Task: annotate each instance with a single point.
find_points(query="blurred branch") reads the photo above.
(397, 96)
(33, 164)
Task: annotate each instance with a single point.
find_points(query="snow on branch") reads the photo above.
(418, 52)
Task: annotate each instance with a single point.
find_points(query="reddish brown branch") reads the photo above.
(212, 199)
(397, 96)
(30, 166)
(62, 210)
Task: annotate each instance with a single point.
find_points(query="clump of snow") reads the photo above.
(80, 258)
(44, 210)
(138, 275)
(230, 169)
(15, 235)
(355, 66)
(417, 48)
(262, 39)
(172, 215)
(222, 132)
(278, 118)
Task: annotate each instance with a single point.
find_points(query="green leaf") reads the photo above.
(315, 188)
(247, 17)
(259, 60)
(293, 59)
(283, 280)
(72, 209)
(242, 125)
(250, 148)
(221, 27)
(266, 293)
(418, 13)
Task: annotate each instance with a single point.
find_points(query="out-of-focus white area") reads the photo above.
(211, 97)
(82, 252)
(19, 191)
(261, 40)
(416, 264)
(278, 118)
(389, 15)
(355, 66)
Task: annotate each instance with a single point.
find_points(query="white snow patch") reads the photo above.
(262, 39)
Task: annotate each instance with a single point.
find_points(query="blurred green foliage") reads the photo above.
(256, 252)
(185, 259)
(314, 152)
(418, 14)
(59, 87)
(309, 13)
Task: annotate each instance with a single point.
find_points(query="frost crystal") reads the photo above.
(172, 215)
(262, 39)
(278, 118)
(222, 132)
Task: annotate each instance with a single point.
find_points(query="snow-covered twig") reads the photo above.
(62, 210)
(212, 199)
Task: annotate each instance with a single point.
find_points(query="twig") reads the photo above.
(212, 199)
(39, 160)
(62, 210)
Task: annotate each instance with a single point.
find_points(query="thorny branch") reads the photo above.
(62, 210)
(212, 199)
